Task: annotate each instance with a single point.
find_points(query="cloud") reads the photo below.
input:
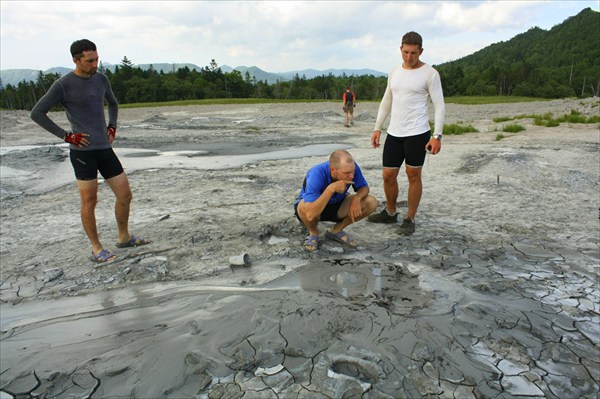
(274, 35)
(240, 52)
(486, 16)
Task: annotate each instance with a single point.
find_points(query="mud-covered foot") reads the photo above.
(383, 217)
(407, 227)
(311, 243)
(134, 241)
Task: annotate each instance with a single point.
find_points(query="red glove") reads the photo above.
(112, 132)
(79, 139)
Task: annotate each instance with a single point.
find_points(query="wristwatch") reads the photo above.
(438, 137)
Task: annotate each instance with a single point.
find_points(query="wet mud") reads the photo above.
(494, 296)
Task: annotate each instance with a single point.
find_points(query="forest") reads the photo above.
(132, 84)
(561, 62)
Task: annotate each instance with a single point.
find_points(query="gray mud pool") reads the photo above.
(342, 327)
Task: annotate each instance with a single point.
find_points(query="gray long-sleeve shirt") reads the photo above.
(83, 99)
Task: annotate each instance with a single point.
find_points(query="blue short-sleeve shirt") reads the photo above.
(319, 177)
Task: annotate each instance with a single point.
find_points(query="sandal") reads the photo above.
(342, 237)
(311, 243)
(103, 256)
(134, 241)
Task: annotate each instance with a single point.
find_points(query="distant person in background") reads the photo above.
(82, 93)
(349, 102)
(324, 197)
(410, 87)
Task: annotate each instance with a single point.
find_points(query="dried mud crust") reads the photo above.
(495, 294)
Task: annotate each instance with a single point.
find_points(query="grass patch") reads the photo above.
(251, 129)
(478, 100)
(217, 101)
(522, 116)
(548, 119)
(467, 100)
(513, 128)
(456, 129)
(499, 137)
(594, 104)
(576, 117)
(551, 122)
(459, 129)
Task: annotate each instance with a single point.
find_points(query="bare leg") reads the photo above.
(120, 187)
(88, 191)
(310, 224)
(390, 187)
(368, 206)
(415, 190)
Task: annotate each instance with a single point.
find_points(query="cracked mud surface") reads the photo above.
(494, 296)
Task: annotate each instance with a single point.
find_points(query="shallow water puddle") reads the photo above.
(359, 282)
(134, 159)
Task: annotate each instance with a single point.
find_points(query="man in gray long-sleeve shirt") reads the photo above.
(83, 93)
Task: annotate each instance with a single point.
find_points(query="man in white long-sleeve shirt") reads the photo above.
(410, 87)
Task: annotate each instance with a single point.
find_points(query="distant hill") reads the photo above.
(14, 76)
(561, 62)
(255, 72)
(312, 73)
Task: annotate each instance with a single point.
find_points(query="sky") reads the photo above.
(276, 36)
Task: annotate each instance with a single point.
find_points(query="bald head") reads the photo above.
(341, 166)
(339, 158)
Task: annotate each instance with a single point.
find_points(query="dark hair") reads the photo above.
(79, 46)
(412, 38)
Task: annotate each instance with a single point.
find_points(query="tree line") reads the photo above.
(133, 84)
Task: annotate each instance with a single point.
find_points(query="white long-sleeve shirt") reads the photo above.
(407, 97)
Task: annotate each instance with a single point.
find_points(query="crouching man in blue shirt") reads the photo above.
(324, 196)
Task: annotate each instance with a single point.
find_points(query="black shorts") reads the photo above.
(87, 164)
(329, 214)
(411, 149)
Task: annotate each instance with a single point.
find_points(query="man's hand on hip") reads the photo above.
(78, 139)
(112, 133)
